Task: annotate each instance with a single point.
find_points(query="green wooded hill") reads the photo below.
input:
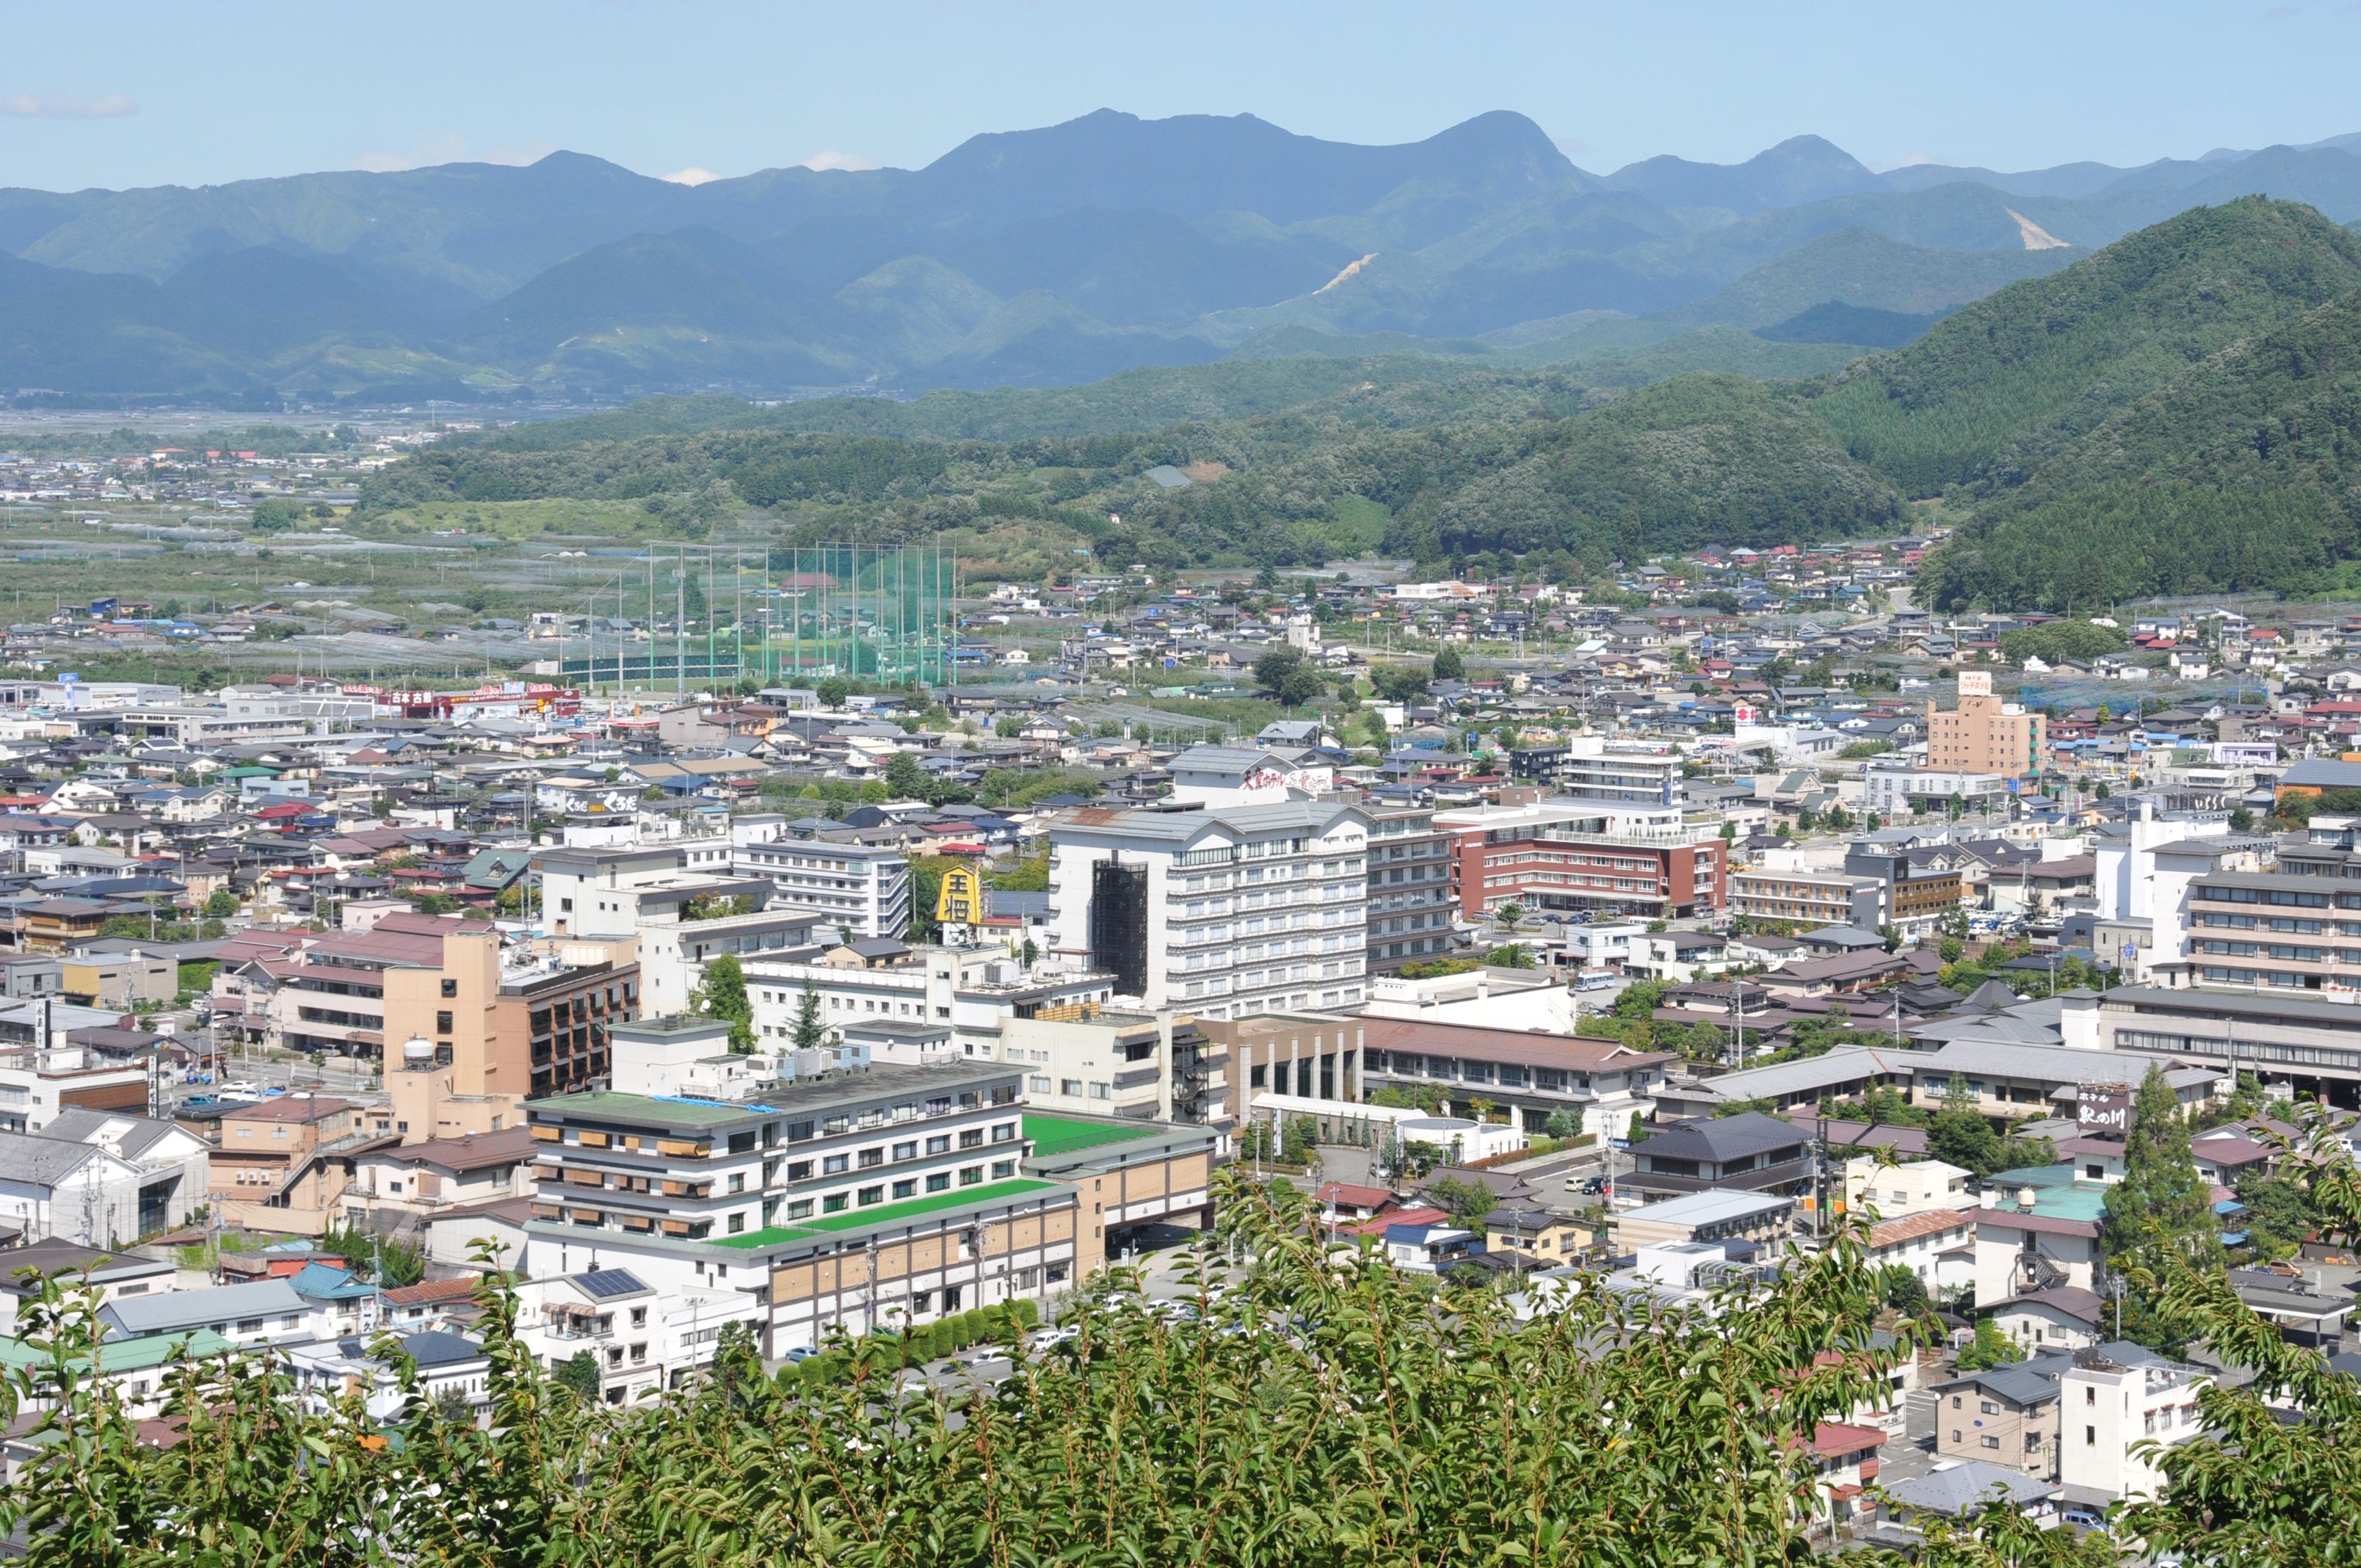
(2005, 383)
(2243, 472)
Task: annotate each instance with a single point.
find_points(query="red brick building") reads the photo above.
(1562, 855)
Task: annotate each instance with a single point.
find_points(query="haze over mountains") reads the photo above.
(1046, 258)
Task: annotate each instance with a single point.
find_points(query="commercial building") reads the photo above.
(1228, 913)
(1917, 896)
(2299, 1041)
(1411, 905)
(1984, 734)
(1710, 1215)
(1563, 854)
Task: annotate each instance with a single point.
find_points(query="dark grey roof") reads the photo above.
(2021, 1383)
(1725, 1139)
(440, 1347)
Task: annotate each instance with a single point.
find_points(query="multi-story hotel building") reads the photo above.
(1984, 734)
(1225, 912)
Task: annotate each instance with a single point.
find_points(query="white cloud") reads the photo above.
(450, 147)
(692, 175)
(834, 159)
(60, 106)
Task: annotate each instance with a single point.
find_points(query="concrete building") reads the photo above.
(1899, 791)
(955, 999)
(1984, 734)
(39, 1081)
(1783, 888)
(475, 1035)
(641, 1340)
(1311, 1054)
(1410, 899)
(1587, 770)
(283, 1165)
(853, 1200)
(2036, 1230)
(2112, 1401)
(1225, 912)
(1147, 1067)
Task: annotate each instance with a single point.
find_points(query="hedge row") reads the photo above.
(916, 1346)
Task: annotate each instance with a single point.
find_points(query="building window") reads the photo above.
(906, 1151)
(836, 1165)
(834, 1203)
(799, 1170)
(872, 1195)
(1039, 1083)
(905, 1188)
(1002, 1168)
(800, 1210)
(1005, 1133)
(971, 1137)
(1102, 1092)
(737, 1181)
(939, 1144)
(736, 1223)
(938, 1183)
(970, 1175)
(450, 988)
(872, 1157)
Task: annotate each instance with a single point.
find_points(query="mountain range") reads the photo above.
(1044, 258)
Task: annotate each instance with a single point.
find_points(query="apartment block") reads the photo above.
(1984, 734)
(1226, 912)
(1783, 888)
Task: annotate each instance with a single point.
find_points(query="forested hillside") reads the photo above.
(2243, 472)
(2174, 413)
(2003, 385)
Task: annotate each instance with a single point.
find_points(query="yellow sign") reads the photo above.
(960, 901)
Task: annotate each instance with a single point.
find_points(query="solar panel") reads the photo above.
(605, 1282)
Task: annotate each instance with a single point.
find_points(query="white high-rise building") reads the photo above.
(1221, 912)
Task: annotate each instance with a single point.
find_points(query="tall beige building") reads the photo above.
(1985, 735)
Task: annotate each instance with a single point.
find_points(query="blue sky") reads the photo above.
(115, 94)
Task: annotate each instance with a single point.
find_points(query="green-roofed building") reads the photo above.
(850, 1201)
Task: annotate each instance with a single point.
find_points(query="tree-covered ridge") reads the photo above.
(2244, 472)
(2003, 385)
(1526, 460)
